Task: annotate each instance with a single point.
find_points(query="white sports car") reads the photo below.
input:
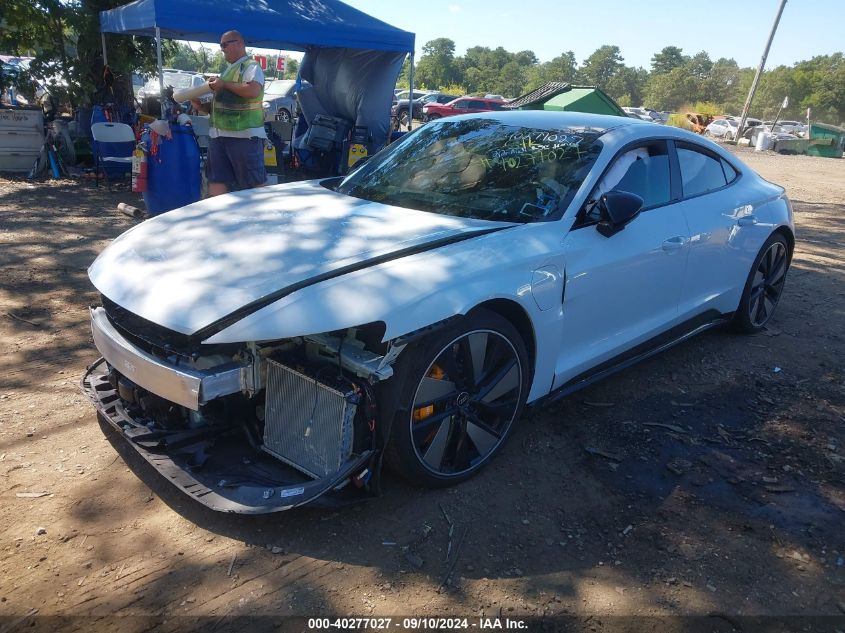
(265, 349)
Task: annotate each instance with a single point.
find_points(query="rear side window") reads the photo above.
(700, 172)
(730, 172)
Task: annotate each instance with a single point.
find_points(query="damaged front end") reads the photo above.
(248, 428)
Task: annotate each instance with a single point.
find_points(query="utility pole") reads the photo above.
(760, 68)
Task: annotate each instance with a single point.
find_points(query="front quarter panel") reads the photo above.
(417, 291)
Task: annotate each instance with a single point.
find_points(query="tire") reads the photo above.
(283, 115)
(461, 390)
(764, 286)
(432, 117)
(404, 119)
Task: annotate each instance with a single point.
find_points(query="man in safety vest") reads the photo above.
(236, 132)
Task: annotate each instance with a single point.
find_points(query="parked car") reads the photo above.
(400, 110)
(406, 94)
(749, 121)
(173, 78)
(262, 349)
(722, 128)
(638, 113)
(777, 133)
(793, 127)
(279, 100)
(462, 105)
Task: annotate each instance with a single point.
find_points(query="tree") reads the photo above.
(671, 90)
(699, 65)
(628, 85)
(63, 36)
(437, 64)
(562, 68)
(722, 82)
(600, 67)
(511, 80)
(291, 68)
(667, 60)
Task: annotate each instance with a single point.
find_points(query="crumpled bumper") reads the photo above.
(226, 483)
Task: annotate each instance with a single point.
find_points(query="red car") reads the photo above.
(461, 105)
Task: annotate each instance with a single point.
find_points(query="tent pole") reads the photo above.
(160, 71)
(105, 55)
(411, 94)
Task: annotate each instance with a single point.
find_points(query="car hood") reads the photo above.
(191, 267)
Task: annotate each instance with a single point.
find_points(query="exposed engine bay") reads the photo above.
(249, 428)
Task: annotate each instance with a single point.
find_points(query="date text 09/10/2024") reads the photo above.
(417, 623)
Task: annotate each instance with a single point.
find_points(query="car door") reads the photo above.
(476, 105)
(460, 107)
(720, 221)
(623, 290)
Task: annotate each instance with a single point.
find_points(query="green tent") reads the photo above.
(565, 97)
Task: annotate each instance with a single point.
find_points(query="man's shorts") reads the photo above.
(237, 162)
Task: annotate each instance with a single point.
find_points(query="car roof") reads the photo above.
(551, 120)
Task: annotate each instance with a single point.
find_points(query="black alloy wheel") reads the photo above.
(467, 387)
(764, 286)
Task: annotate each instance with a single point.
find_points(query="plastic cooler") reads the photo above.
(173, 171)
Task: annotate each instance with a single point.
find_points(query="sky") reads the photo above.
(723, 28)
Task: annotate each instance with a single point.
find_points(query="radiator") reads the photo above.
(307, 423)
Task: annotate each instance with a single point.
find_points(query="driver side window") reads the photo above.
(642, 170)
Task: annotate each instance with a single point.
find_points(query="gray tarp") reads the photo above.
(356, 85)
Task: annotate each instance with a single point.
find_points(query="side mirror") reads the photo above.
(617, 208)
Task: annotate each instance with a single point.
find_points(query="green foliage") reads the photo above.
(64, 38)
(437, 64)
(454, 89)
(667, 60)
(679, 120)
(600, 68)
(704, 107)
(291, 68)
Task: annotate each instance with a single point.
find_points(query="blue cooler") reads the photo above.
(173, 173)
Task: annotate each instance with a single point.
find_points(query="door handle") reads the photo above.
(748, 220)
(674, 243)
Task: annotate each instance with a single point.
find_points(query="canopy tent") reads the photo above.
(299, 25)
(279, 24)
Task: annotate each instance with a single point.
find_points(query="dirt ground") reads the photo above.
(708, 481)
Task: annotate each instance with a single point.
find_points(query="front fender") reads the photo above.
(411, 293)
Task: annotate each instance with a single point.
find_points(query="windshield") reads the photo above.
(279, 87)
(480, 168)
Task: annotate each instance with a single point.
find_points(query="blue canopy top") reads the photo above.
(292, 25)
